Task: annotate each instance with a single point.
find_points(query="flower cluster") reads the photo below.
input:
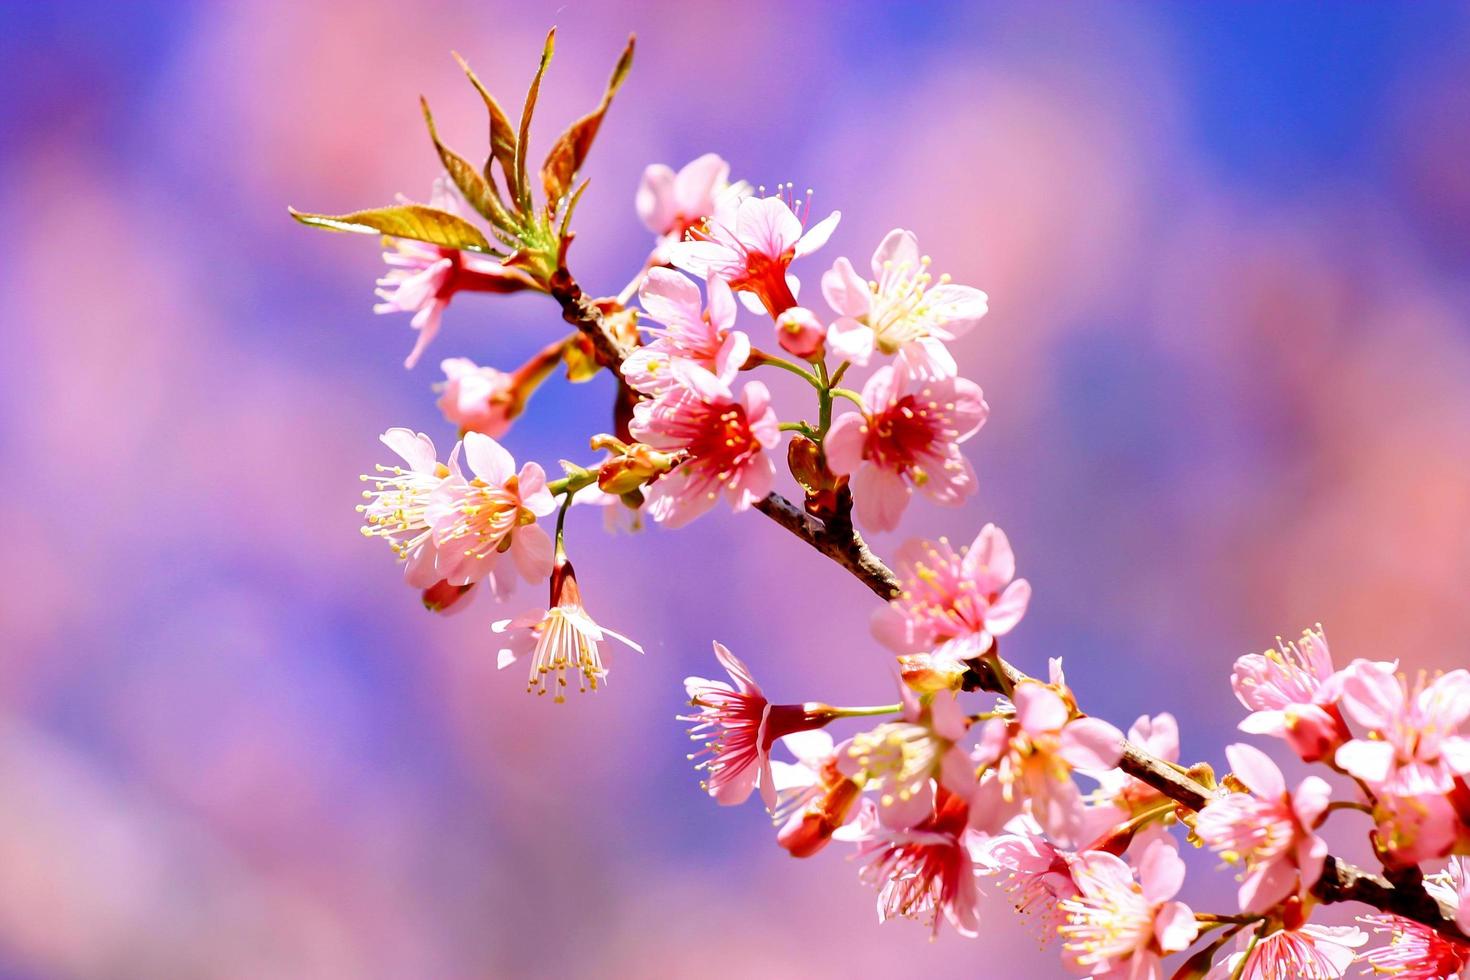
(978, 780)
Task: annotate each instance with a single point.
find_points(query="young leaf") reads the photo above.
(523, 184)
(502, 135)
(415, 221)
(570, 150)
(477, 190)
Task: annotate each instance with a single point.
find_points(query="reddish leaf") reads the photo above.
(571, 148)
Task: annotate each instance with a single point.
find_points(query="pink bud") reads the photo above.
(441, 597)
(809, 830)
(801, 333)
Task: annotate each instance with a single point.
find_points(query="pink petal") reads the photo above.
(1159, 734)
(970, 410)
(1266, 886)
(816, 236)
(1369, 761)
(703, 259)
(1175, 927)
(898, 250)
(488, 459)
(844, 443)
(846, 291)
(811, 748)
(1091, 744)
(957, 308)
(989, 562)
(1310, 800)
(722, 308)
(414, 448)
(1160, 870)
(851, 341)
(701, 383)
(1372, 693)
(696, 184)
(530, 547)
(928, 358)
(883, 388)
(535, 497)
(947, 717)
(736, 668)
(765, 225)
(1039, 709)
(654, 199)
(1255, 768)
(670, 298)
(879, 497)
(1002, 617)
(1264, 723)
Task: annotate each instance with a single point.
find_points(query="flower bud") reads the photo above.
(928, 674)
(800, 332)
(441, 597)
(810, 829)
(638, 464)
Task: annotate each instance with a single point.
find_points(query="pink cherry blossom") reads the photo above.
(1310, 952)
(494, 511)
(900, 311)
(1292, 695)
(907, 437)
(900, 760)
(670, 203)
(423, 278)
(690, 332)
(1037, 874)
(1417, 952)
(560, 640)
(738, 726)
(1413, 745)
(1269, 829)
(1119, 925)
(816, 797)
(475, 398)
(397, 506)
(1034, 755)
(750, 244)
(927, 871)
(1419, 827)
(962, 600)
(726, 439)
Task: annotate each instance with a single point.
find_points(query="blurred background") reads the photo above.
(1227, 357)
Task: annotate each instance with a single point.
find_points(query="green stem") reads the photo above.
(824, 401)
(850, 395)
(868, 711)
(803, 427)
(761, 357)
(841, 370)
(573, 482)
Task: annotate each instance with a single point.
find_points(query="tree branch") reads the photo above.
(838, 540)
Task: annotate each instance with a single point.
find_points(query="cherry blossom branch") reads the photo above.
(839, 540)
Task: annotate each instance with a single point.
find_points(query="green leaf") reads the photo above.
(477, 190)
(502, 135)
(415, 221)
(523, 184)
(571, 148)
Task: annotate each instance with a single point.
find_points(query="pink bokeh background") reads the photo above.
(1228, 360)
